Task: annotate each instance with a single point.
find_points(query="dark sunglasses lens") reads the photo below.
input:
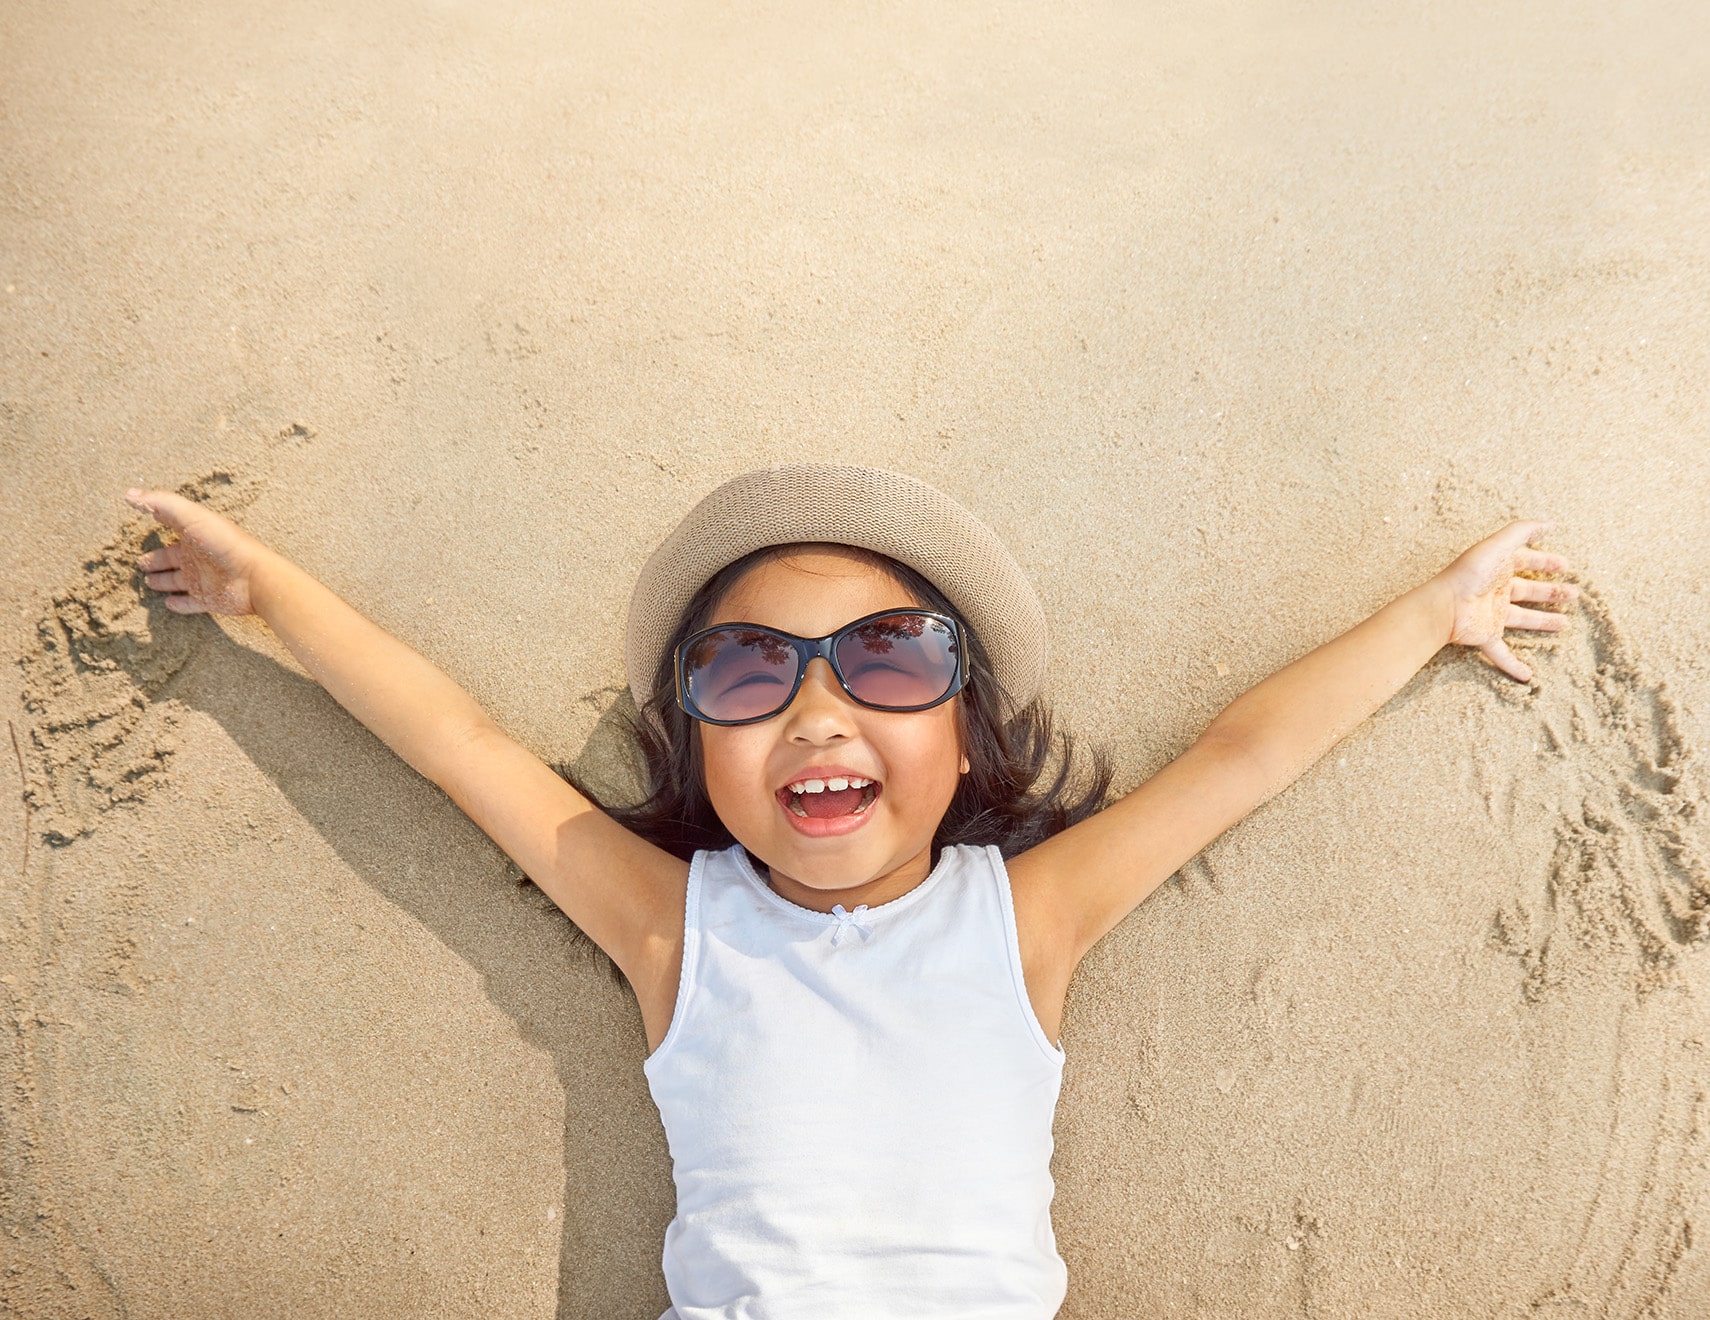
(739, 673)
(899, 660)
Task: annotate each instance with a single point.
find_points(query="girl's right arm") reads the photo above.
(625, 893)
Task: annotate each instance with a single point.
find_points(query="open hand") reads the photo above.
(1484, 587)
(209, 569)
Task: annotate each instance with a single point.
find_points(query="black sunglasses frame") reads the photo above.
(807, 649)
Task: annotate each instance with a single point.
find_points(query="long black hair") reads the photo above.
(1000, 800)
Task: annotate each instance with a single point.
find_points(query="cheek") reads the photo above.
(935, 761)
(731, 769)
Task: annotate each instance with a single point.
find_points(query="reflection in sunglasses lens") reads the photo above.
(740, 673)
(899, 660)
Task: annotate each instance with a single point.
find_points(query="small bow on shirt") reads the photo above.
(846, 919)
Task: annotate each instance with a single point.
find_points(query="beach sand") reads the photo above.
(1233, 322)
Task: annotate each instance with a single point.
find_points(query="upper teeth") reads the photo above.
(820, 785)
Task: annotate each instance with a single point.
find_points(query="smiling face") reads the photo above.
(915, 758)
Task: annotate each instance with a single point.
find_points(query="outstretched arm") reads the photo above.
(620, 889)
(1089, 877)
(217, 567)
(1297, 714)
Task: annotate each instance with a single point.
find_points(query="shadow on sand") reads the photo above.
(534, 963)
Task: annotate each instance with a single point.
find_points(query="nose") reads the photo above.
(821, 709)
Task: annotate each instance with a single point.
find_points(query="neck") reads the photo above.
(881, 889)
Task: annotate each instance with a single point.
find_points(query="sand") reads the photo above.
(1232, 321)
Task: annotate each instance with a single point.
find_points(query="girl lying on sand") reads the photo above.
(852, 902)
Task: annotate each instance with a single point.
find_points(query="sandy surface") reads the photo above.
(1233, 321)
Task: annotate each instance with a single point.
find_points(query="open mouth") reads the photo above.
(823, 799)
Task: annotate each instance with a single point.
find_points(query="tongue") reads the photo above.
(831, 803)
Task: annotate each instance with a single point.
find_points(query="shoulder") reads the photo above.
(1045, 923)
(720, 865)
(713, 879)
(1044, 947)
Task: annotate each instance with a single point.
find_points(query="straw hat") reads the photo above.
(878, 510)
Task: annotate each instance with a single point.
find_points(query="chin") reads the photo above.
(827, 864)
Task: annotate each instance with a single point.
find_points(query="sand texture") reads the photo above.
(1233, 322)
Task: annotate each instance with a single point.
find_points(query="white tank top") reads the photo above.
(858, 1105)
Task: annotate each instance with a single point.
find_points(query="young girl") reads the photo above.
(848, 909)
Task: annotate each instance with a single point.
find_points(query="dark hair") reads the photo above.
(995, 802)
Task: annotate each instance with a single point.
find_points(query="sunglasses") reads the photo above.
(741, 673)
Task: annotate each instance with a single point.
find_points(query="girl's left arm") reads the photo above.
(1297, 714)
(1085, 880)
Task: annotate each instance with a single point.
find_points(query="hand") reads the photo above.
(210, 568)
(1484, 588)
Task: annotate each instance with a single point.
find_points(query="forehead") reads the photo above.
(810, 593)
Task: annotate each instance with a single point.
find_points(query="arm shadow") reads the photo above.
(403, 836)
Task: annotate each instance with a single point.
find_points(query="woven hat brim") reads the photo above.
(893, 514)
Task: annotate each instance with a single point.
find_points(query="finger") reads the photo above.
(171, 580)
(138, 498)
(1517, 534)
(173, 510)
(1540, 620)
(168, 556)
(1497, 652)
(1541, 561)
(184, 605)
(1560, 593)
